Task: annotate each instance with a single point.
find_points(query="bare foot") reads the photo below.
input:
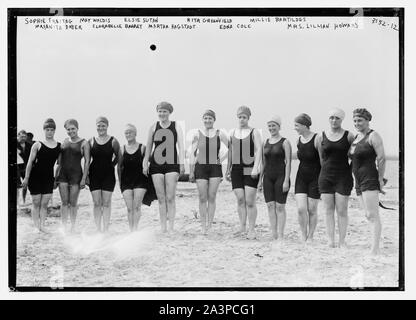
(251, 235)
(375, 251)
(342, 245)
(332, 245)
(44, 230)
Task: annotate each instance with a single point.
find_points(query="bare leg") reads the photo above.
(250, 196)
(302, 204)
(329, 204)
(159, 183)
(212, 195)
(271, 208)
(73, 202)
(171, 180)
(137, 206)
(313, 216)
(202, 185)
(24, 193)
(36, 210)
(341, 204)
(64, 193)
(241, 208)
(43, 210)
(98, 213)
(370, 200)
(128, 199)
(281, 219)
(106, 196)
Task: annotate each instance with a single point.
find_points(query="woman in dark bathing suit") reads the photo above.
(368, 167)
(71, 178)
(165, 152)
(335, 179)
(277, 160)
(104, 155)
(133, 183)
(39, 174)
(306, 185)
(244, 166)
(206, 168)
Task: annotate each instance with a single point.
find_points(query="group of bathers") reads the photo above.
(335, 175)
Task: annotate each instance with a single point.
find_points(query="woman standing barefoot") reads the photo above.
(335, 179)
(71, 179)
(165, 145)
(306, 185)
(277, 159)
(205, 167)
(133, 183)
(104, 153)
(244, 161)
(39, 173)
(367, 150)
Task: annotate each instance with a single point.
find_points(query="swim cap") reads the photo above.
(71, 122)
(131, 127)
(49, 123)
(276, 119)
(363, 113)
(102, 119)
(209, 113)
(245, 110)
(165, 106)
(304, 119)
(337, 113)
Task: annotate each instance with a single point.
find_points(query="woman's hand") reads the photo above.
(191, 177)
(228, 176)
(260, 185)
(285, 186)
(25, 182)
(146, 169)
(82, 183)
(254, 173)
(382, 182)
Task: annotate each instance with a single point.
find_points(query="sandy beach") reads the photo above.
(187, 258)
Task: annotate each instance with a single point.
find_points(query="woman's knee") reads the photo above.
(302, 210)
(241, 201)
(36, 202)
(251, 204)
(373, 216)
(280, 207)
(212, 197)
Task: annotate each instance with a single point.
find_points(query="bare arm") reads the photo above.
(263, 164)
(116, 151)
(192, 156)
(149, 146)
(318, 146)
(377, 142)
(288, 162)
(258, 152)
(230, 153)
(87, 160)
(33, 152)
(351, 137)
(58, 167)
(120, 164)
(181, 148)
(224, 140)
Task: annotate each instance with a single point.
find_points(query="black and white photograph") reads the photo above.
(206, 149)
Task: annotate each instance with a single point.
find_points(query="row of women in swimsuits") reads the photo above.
(324, 171)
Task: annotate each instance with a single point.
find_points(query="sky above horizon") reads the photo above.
(274, 70)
